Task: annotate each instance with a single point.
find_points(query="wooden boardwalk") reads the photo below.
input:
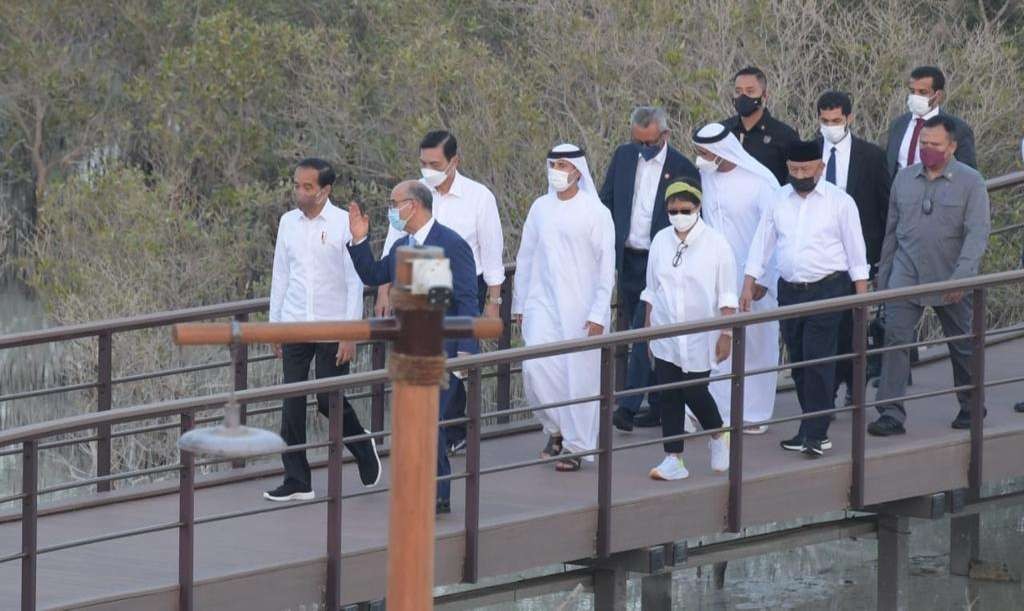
(529, 517)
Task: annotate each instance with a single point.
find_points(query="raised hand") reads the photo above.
(358, 223)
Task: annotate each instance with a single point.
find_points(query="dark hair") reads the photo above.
(755, 72)
(944, 122)
(835, 99)
(421, 193)
(325, 173)
(686, 196)
(439, 137)
(938, 78)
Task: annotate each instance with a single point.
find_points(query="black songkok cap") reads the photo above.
(803, 151)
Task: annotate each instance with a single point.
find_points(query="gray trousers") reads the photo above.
(901, 318)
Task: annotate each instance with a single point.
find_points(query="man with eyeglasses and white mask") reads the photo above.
(565, 273)
(937, 230)
(470, 209)
(737, 191)
(691, 275)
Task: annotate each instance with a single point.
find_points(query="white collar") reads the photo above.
(421, 235)
(928, 115)
(843, 146)
(327, 211)
(659, 158)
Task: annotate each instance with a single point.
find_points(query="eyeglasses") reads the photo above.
(679, 254)
(398, 204)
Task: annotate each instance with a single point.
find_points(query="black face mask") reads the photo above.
(746, 105)
(802, 185)
(649, 152)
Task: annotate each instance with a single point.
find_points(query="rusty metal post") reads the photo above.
(29, 522)
(739, 356)
(503, 392)
(334, 502)
(974, 469)
(470, 569)
(417, 367)
(186, 518)
(240, 375)
(379, 350)
(860, 364)
(604, 465)
(104, 398)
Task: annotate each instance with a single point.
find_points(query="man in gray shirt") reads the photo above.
(937, 229)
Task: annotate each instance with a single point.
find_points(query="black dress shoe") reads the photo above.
(645, 418)
(1019, 407)
(443, 506)
(622, 420)
(963, 419)
(367, 459)
(886, 426)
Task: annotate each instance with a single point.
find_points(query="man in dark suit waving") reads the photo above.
(410, 210)
(859, 168)
(634, 192)
(927, 93)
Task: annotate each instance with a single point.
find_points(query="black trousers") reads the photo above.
(673, 402)
(814, 337)
(457, 432)
(296, 359)
(632, 312)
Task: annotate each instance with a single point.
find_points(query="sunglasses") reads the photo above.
(679, 254)
(926, 206)
(675, 212)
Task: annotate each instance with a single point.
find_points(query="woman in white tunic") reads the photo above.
(737, 189)
(565, 272)
(690, 276)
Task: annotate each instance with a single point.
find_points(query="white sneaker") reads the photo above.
(755, 429)
(719, 452)
(671, 468)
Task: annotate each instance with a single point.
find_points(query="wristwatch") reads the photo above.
(493, 300)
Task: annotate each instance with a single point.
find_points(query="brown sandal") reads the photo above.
(569, 463)
(553, 447)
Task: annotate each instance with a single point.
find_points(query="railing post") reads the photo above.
(503, 392)
(240, 357)
(104, 394)
(377, 390)
(621, 350)
(974, 470)
(335, 435)
(604, 464)
(186, 519)
(739, 357)
(860, 364)
(29, 524)
(470, 568)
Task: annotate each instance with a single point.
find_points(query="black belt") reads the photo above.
(635, 251)
(803, 286)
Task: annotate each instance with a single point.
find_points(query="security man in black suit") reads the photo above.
(634, 191)
(927, 92)
(761, 134)
(859, 168)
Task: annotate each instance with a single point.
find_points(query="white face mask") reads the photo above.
(684, 222)
(558, 180)
(918, 104)
(705, 165)
(833, 133)
(433, 177)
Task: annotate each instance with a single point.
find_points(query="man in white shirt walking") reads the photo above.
(814, 231)
(691, 275)
(470, 209)
(313, 279)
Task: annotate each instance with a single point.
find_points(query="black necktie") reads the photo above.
(830, 169)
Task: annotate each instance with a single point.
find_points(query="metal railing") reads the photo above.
(30, 436)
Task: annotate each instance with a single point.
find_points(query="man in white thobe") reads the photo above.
(565, 273)
(737, 190)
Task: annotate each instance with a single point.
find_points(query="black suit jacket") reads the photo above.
(964, 147)
(464, 282)
(617, 190)
(868, 182)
